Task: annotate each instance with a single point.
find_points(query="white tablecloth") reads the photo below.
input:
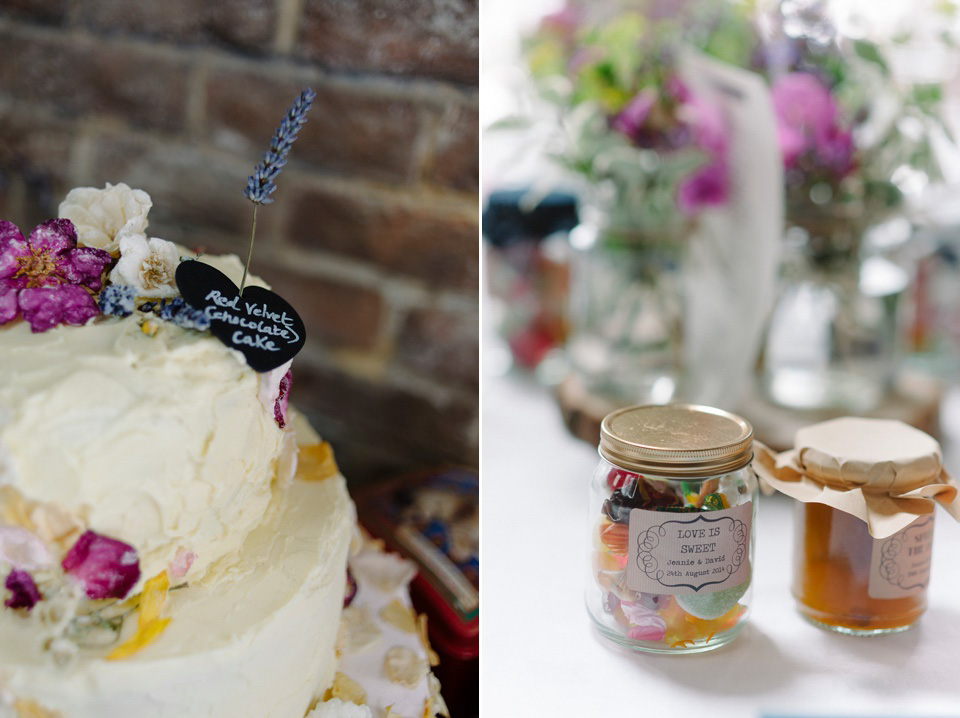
(540, 656)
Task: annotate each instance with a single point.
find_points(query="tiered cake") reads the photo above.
(173, 541)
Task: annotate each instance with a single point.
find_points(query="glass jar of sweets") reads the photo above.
(672, 509)
(863, 521)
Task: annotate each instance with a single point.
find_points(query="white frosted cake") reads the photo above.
(172, 541)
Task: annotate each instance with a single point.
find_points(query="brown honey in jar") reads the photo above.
(863, 521)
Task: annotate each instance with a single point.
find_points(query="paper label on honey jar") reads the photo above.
(679, 554)
(900, 564)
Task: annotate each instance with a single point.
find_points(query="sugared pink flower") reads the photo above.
(47, 279)
(182, 561)
(106, 568)
(709, 186)
(23, 590)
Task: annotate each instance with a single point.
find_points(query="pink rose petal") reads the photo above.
(25, 593)
(106, 568)
(23, 549)
(85, 266)
(9, 299)
(182, 561)
(283, 399)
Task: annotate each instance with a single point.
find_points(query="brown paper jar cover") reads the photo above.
(884, 472)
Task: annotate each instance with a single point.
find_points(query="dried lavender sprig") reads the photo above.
(260, 184)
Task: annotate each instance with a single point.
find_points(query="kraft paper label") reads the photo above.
(900, 564)
(680, 554)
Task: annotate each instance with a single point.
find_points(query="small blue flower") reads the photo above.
(260, 184)
(182, 314)
(118, 300)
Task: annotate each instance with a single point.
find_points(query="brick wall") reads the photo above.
(373, 235)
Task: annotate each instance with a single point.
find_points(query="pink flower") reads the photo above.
(23, 589)
(283, 399)
(106, 568)
(48, 279)
(707, 187)
(631, 118)
(808, 123)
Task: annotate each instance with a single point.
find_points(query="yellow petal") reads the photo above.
(149, 623)
(145, 635)
(26, 708)
(316, 462)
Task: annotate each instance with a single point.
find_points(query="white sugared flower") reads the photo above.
(148, 265)
(336, 708)
(101, 215)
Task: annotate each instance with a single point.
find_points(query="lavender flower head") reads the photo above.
(260, 184)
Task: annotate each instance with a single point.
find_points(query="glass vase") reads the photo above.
(626, 312)
(831, 341)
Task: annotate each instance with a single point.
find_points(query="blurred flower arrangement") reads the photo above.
(653, 152)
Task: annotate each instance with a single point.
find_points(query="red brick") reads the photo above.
(245, 24)
(455, 152)
(192, 193)
(336, 314)
(431, 38)
(351, 130)
(443, 346)
(46, 11)
(35, 157)
(438, 248)
(141, 86)
(378, 430)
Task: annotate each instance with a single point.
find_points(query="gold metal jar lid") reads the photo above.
(682, 440)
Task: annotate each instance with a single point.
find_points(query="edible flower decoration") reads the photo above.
(48, 279)
(149, 623)
(103, 216)
(25, 593)
(148, 266)
(105, 567)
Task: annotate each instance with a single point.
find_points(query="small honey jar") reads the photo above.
(863, 521)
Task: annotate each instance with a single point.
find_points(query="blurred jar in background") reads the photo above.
(527, 270)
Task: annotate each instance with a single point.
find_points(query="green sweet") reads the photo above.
(712, 605)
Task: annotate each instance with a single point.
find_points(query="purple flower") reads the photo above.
(25, 593)
(707, 187)
(106, 568)
(631, 118)
(48, 279)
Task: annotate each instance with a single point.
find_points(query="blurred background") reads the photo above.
(372, 237)
(373, 234)
(744, 204)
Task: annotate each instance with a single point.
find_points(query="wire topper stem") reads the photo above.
(260, 185)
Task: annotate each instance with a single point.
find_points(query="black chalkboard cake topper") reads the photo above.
(259, 323)
(252, 320)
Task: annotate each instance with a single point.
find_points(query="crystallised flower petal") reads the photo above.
(26, 708)
(101, 214)
(148, 265)
(361, 630)
(23, 591)
(149, 623)
(404, 667)
(23, 549)
(336, 708)
(316, 462)
(106, 568)
(399, 615)
(424, 634)
(439, 705)
(386, 571)
(346, 689)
